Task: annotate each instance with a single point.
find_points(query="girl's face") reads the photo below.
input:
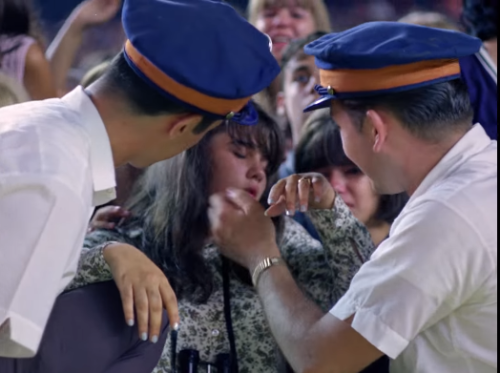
(237, 165)
(285, 22)
(356, 190)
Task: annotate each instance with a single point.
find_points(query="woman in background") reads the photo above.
(285, 21)
(22, 50)
(22, 55)
(321, 150)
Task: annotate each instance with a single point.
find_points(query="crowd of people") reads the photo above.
(252, 195)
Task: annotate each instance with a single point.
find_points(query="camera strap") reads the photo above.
(228, 316)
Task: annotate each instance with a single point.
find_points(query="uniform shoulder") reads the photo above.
(42, 137)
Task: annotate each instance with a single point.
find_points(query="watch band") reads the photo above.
(264, 266)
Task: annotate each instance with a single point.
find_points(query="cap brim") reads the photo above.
(321, 103)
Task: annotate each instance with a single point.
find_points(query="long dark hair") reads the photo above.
(171, 202)
(17, 17)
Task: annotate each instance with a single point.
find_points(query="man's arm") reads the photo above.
(41, 223)
(310, 340)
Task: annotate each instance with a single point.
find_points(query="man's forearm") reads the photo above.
(311, 341)
(290, 314)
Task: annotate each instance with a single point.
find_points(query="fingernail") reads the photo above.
(176, 326)
(318, 199)
(231, 192)
(303, 208)
(290, 212)
(154, 339)
(130, 322)
(144, 336)
(270, 201)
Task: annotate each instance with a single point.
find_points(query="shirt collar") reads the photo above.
(101, 156)
(472, 143)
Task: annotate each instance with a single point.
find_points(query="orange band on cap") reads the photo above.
(188, 95)
(345, 81)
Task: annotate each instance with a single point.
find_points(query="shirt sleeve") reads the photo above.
(42, 224)
(430, 265)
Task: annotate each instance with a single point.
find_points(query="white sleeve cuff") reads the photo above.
(371, 328)
(19, 337)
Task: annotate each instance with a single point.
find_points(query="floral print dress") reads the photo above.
(324, 272)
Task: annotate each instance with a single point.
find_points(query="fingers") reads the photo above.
(291, 195)
(155, 313)
(318, 188)
(170, 303)
(241, 199)
(276, 192)
(127, 295)
(142, 310)
(277, 209)
(304, 189)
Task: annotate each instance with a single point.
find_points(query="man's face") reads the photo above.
(359, 148)
(300, 77)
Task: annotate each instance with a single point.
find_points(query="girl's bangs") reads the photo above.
(266, 138)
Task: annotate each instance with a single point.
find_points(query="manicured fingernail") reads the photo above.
(154, 339)
(130, 322)
(270, 201)
(176, 326)
(303, 208)
(144, 336)
(290, 212)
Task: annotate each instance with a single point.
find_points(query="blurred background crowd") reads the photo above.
(103, 41)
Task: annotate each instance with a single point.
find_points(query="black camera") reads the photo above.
(189, 362)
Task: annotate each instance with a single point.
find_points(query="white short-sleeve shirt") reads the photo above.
(428, 296)
(55, 165)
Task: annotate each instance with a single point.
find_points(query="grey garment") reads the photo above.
(87, 333)
(323, 271)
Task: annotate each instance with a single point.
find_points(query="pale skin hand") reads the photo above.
(62, 51)
(310, 191)
(311, 341)
(144, 290)
(96, 12)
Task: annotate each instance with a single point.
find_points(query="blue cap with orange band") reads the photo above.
(199, 53)
(386, 57)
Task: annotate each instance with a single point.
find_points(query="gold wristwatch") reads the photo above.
(264, 266)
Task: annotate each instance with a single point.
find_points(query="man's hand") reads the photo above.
(108, 217)
(303, 192)
(143, 285)
(240, 228)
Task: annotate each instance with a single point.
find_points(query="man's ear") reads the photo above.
(180, 124)
(280, 104)
(376, 124)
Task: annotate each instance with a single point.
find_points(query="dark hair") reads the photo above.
(171, 202)
(480, 18)
(321, 147)
(429, 113)
(17, 17)
(297, 46)
(141, 97)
